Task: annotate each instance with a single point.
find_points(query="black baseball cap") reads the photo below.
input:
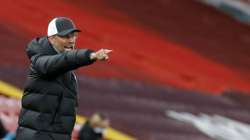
(61, 26)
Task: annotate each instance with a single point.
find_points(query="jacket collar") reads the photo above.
(41, 46)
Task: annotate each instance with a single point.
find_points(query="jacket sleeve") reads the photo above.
(61, 63)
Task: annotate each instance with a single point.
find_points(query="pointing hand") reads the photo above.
(101, 54)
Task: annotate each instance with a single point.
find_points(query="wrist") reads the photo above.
(92, 56)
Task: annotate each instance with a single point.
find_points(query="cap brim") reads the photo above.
(63, 33)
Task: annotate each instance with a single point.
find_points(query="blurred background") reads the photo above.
(179, 70)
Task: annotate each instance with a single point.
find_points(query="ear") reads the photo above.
(51, 39)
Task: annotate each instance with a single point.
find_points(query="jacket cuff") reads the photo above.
(83, 56)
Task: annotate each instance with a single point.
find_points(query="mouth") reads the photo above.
(68, 48)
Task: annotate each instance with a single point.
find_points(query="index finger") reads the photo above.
(107, 50)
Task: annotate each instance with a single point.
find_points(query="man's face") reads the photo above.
(65, 43)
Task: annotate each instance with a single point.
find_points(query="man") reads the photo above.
(94, 128)
(50, 95)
